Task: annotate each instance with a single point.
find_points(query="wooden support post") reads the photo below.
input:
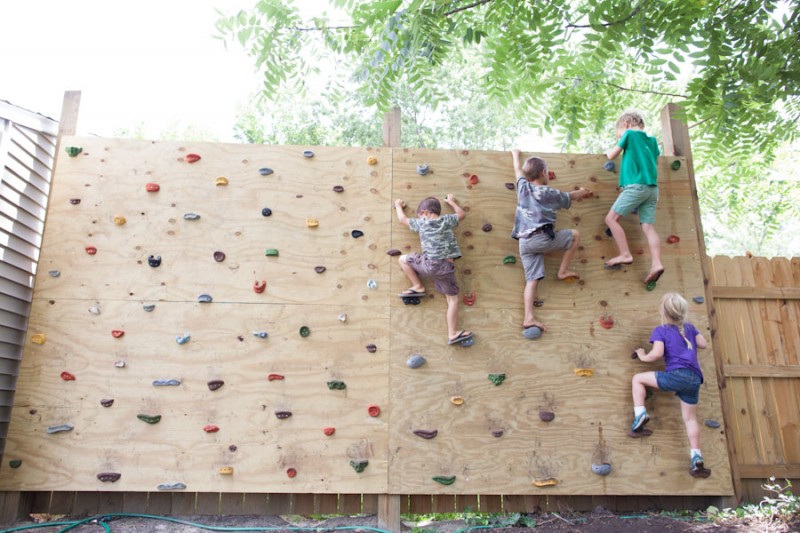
(389, 512)
(677, 143)
(391, 128)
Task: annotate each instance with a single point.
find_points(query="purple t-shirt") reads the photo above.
(676, 353)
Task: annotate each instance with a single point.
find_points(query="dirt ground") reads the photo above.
(599, 521)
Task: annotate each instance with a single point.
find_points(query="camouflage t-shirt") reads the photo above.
(436, 236)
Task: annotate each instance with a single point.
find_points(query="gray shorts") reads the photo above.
(643, 198)
(533, 248)
(441, 271)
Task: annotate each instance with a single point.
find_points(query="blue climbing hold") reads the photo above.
(265, 171)
(166, 382)
(204, 299)
(422, 169)
(698, 299)
(712, 423)
(182, 339)
(609, 165)
(154, 261)
(415, 361)
(260, 334)
(532, 333)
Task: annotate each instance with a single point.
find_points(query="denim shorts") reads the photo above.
(640, 197)
(683, 382)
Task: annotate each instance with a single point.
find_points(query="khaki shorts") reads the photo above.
(441, 271)
(533, 248)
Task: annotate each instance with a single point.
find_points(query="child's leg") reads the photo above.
(654, 243)
(689, 413)
(528, 297)
(452, 317)
(411, 274)
(612, 221)
(563, 270)
(638, 387)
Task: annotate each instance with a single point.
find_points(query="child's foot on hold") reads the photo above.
(568, 275)
(460, 336)
(654, 275)
(698, 468)
(639, 422)
(619, 260)
(411, 291)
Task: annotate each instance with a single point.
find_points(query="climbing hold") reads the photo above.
(374, 410)
(152, 187)
(473, 180)
(150, 419)
(192, 158)
(266, 212)
(510, 186)
(219, 257)
(210, 428)
(91, 250)
(109, 477)
(584, 372)
(359, 466)
(166, 382)
(205, 299)
(283, 414)
(117, 333)
(38, 338)
(546, 416)
(336, 385)
(15, 463)
(265, 171)
(148, 307)
(275, 377)
(338, 188)
(457, 400)
(497, 433)
(609, 165)
(550, 482)
(259, 286)
(444, 480)
(221, 181)
(191, 216)
(497, 379)
(319, 269)
(532, 333)
(119, 220)
(422, 169)
(61, 428)
(107, 402)
(672, 239)
(308, 154)
(393, 252)
(54, 273)
(94, 310)
(291, 472)
(215, 384)
(509, 260)
(372, 284)
(372, 160)
(425, 433)
(66, 376)
(469, 298)
(601, 469)
(649, 286)
(606, 321)
(371, 348)
(183, 339)
(551, 175)
(676, 164)
(72, 151)
(698, 299)
(304, 331)
(312, 222)
(343, 317)
(356, 233)
(487, 227)
(712, 423)
(74, 201)
(225, 471)
(466, 343)
(172, 486)
(329, 431)
(271, 252)
(260, 334)
(415, 361)
(119, 363)
(154, 261)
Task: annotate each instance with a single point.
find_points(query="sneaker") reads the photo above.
(698, 468)
(640, 421)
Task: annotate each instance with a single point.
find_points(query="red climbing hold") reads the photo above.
(275, 377)
(606, 321)
(473, 180)
(374, 410)
(66, 376)
(152, 187)
(672, 239)
(469, 298)
(91, 250)
(551, 175)
(117, 333)
(329, 431)
(210, 428)
(259, 286)
(291, 472)
(192, 158)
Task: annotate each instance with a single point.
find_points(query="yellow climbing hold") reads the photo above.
(38, 338)
(372, 161)
(119, 220)
(457, 400)
(225, 471)
(549, 482)
(222, 180)
(312, 222)
(584, 372)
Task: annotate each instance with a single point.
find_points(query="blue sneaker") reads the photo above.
(640, 421)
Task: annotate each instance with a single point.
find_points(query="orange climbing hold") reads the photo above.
(192, 158)
(549, 482)
(225, 470)
(584, 372)
(38, 338)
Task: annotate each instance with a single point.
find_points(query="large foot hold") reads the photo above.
(654, 276)
(641, 433)
(461, 337)
(698, 468)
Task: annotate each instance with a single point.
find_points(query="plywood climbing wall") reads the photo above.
(332, 334)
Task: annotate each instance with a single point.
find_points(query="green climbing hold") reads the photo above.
(72, 151)
(337, 385)
(445, 480)
(305, 331)
(497, 379)
(15, 463)
(359, 466)
(676, 164)
(273, 252)
(650, 285)
(150, 419)
(509, 260)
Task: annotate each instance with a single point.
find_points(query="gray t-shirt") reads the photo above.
(536, 207)
(436, 236)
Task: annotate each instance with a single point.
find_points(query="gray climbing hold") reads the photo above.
(609, 165)
(698, 299)
(166, 382)
(183, 339)
(601, 469)
(54, 273)
(265, 171)
(415, 361)
(60, 428)
(372, 284)
(308, 154)
(712, 423)
(148, 307)
(94, 310)
(205, 298)
(172, 486)
(422, 169)
(260, 334)
(191, 216)
(532, 333)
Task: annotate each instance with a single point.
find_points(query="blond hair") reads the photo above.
(674, 310)
(630, 119)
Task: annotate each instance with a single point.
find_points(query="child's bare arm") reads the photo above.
(614, 152)
(399, 206)
(581, 193)
(451, 201)
(700, 341)
(517, 167)
(653, 355)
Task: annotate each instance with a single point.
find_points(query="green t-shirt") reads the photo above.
(640, 152)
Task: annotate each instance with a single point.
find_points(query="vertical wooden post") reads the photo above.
(391, 128)
(677, 143)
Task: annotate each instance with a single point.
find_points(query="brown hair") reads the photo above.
(533, 167)
(430, 204)
(630, 119)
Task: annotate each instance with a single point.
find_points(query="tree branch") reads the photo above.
(613, 22)
(464, 8)
(621, 88)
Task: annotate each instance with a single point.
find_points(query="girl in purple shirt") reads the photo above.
(677, 341)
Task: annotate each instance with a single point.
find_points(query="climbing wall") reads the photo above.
(244, 320)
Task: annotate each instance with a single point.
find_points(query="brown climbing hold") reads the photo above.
(107, 402)
(338, 188)
(117, 333)
(192, 158)
(329, 431)
(319, 269)
(393, 252)
(91, 250)
(426, 433)
(219, 257)
(283, 414)
(546, 416)
(275, 377)
(259, 286)
(291, 472)
(374, 410)
(210, 428)
(487, 227)
(371, 348)
(66, 376)
(109, 477)
(215, 384)
(152, 187)
(510, 186)
(497, 433)
(74, 201)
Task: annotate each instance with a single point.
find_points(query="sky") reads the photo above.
(150, 62)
